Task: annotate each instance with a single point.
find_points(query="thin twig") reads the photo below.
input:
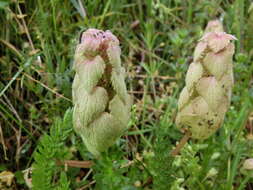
(18, 134)
(12, 109)
(156, 76)
(45, 86)
(3, 143)
(28, 34)
(88, 185)
(181, 143)
(25, 27)
(11, 47)
(76, 163)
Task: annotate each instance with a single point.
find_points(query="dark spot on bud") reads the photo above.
(188, 126)
(210, 123)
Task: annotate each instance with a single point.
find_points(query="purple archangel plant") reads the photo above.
(206, 96)
(101, 102)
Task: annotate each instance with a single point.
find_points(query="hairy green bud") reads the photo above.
(101, 102)
(205, 99)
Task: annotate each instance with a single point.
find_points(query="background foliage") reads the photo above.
(37, 41)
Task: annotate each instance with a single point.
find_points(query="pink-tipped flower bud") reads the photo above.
(101, 102)
(205, 99)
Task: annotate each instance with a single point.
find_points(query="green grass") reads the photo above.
(157, 41)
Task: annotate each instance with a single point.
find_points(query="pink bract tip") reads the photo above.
(94, 40)
(217, 41)
(99, 36)
(213, 23)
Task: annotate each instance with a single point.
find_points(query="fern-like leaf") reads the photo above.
(51, 149)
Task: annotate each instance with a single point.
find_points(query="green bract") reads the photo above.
(205, 99)
(101, 103)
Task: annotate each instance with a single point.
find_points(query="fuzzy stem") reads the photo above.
(181, 143)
